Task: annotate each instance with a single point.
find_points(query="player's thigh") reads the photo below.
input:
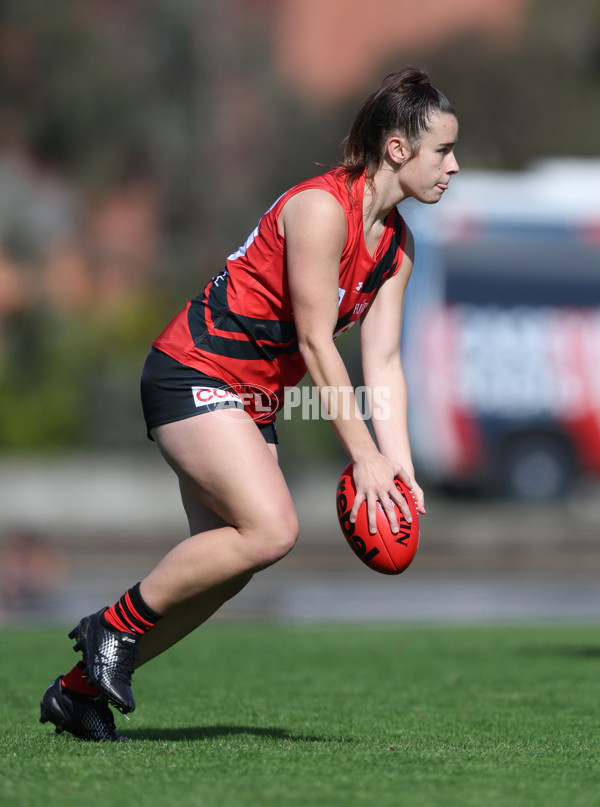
(200, 517)
(224, 463)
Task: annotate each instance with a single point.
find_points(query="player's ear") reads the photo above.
(397, 150)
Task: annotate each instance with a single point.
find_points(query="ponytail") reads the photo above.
(404, 103)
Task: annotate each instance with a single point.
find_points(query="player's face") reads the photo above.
(426, 175)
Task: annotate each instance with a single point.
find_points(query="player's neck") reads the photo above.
(382, 198)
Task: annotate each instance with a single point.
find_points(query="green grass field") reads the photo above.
(252, 715)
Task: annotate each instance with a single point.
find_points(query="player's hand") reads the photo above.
(418, 495)
(374, 483)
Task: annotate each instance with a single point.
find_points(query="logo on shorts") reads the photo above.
(208, 396)
(258, 400)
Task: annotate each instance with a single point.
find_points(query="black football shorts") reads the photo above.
(173, 391)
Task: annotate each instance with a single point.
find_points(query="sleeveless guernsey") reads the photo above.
(241, 328)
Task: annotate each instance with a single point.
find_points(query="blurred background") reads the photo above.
(139, 144)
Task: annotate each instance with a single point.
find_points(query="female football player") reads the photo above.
(330, 251)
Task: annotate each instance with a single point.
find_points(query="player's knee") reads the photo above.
(285, 537)
(274, 538)
(280, 539)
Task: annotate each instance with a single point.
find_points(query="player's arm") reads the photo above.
(314, 226)
(382, 368)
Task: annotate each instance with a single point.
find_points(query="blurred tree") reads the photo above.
(537, 96)
(72, 379)
(175, 107)
(67, 91)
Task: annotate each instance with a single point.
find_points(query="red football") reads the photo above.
(383, 551)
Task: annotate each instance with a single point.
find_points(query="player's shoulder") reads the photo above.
(328, 191)
(318, 200)
(316, 209)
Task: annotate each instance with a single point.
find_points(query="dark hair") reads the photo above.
(404, 103)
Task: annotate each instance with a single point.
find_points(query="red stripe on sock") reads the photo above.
(111, 617)
(136, 613)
